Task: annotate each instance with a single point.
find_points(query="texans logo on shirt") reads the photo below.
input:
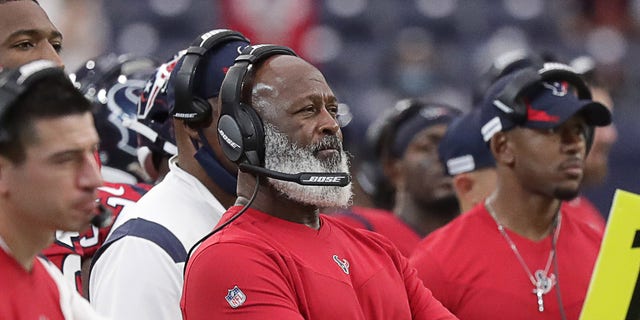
(343, 264)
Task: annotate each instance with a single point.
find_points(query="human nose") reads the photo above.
(573, 140)
(328, 122)
(48, 52)
(90, 177)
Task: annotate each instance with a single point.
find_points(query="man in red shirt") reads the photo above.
(27, 34)
(521, 245)
(100, 80)
(273, 255)
(49, 179)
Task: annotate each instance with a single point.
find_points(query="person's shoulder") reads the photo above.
(358, 234)
(378, 217)
(249, 229)
(371, 212)
(462, 228)
(236, 242)
(583, 222)
(363, 217)
(584, 212)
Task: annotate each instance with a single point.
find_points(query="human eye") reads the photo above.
(24, 45)
(65, 158)
(581, 129)
(57, 45)
(549, 131)
(307, 110)
(333, 109)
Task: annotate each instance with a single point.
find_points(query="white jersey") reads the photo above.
(138, 273)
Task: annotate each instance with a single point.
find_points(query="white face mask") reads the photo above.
(284, 156)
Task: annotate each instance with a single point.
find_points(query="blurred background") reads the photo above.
(374, 52)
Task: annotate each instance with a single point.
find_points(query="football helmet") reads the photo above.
(113, 84)
(154, 125)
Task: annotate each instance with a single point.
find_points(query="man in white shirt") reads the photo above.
(138, 273)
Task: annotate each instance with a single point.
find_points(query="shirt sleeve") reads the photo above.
(124, 284)
(234, 281)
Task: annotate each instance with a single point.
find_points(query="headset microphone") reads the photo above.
(104, 218)
(339, 179)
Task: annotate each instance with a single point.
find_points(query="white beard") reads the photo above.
(283, 156)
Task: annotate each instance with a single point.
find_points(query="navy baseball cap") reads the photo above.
(416, 117)
(548, 104)
(214, 65)
(462, 148)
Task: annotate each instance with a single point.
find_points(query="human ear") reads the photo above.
(191, 131)
(501, 148)
(462, 184)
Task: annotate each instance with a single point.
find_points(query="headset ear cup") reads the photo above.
(203, 112)
(252, 128)
(230, 138)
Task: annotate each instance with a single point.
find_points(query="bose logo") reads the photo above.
(228, 140)
(324, 179)
(183, 115)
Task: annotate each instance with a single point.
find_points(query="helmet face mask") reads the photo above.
(113, 84)
(156, 140)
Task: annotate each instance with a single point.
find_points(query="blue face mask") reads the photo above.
(214, 169)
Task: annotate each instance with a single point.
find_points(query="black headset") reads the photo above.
(529, 78)
(240, 128)
(14, 82)
(191, 108)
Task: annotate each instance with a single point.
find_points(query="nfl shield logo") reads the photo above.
(235, 297)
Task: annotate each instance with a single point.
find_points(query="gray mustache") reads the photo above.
(328, 142)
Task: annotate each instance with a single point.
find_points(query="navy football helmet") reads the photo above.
(113, 84)
(154, 125)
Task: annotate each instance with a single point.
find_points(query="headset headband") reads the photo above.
(185, 76)
(240, 129)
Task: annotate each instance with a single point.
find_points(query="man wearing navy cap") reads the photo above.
(467, 159)
(138, 272)
(518, 255)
